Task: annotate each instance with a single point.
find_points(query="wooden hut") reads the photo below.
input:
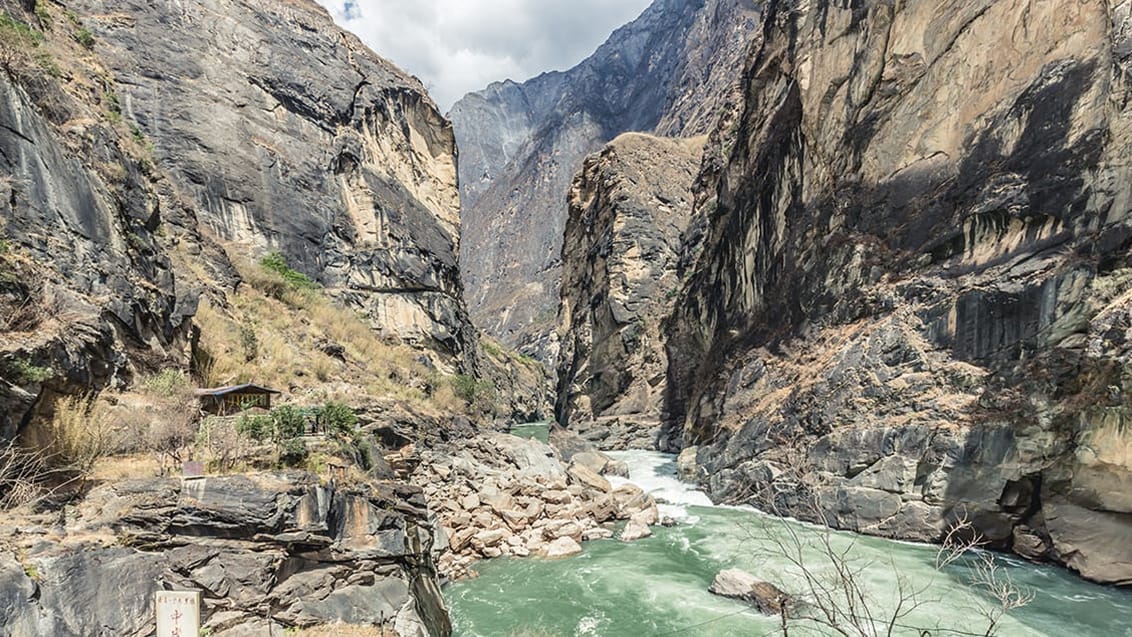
(224, 401)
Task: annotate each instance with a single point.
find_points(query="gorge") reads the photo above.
(781, 276)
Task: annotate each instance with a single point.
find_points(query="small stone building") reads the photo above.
(224, 401)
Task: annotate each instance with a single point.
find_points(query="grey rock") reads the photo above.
(188, 535)
(629, 208)
(738, 584)
(313, 146)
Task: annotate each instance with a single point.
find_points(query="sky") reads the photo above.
(459, 46)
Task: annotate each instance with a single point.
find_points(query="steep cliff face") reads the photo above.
(87, 290)
(629, 208)
(521, 146)
(912, 299)
(150, 154)
(147, 145)
(286, 133)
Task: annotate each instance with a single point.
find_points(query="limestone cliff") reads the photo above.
(150, 146)
(913, 297)
(521, 145)
(286, 133)
(629, 209)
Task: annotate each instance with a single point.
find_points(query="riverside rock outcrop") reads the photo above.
(911, 305)
(500, 495)
(268, 552)
(629, 209)
(667, 72)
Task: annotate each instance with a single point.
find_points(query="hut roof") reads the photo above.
(248, 388)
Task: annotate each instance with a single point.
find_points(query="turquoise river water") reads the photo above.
(659, 585)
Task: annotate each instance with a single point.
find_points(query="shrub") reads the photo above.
(170, 436)
(337, 418)
(85, 38)
(22, 371)
(290, 422)
(275, 262)
(250, 343)
(220, 439)
(255, 427)
(293, 452)
(470, 389)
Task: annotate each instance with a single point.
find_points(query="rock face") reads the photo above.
(629, 208)
(85, 287)
(185, 136)
(286, 133)
(269, 552)
(912, 298)
(521, 144)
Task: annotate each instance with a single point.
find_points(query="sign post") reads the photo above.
(178, 613)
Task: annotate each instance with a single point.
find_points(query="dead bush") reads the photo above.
(79, 432)
(22, 474)
(220, 444)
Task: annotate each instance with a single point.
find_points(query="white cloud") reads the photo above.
(457, 46)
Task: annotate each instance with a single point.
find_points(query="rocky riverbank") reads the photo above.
(499, 495)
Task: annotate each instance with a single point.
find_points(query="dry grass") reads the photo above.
(117, 468)
(278, 336)
(80, 432)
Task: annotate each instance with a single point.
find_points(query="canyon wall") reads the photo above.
(912, 301)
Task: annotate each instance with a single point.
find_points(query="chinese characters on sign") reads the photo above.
(178, 614)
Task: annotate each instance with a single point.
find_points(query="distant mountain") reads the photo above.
(668, 72)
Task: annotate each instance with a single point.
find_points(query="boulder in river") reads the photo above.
(562, 547)
(738, 584)
(635, 530)
(686, 463)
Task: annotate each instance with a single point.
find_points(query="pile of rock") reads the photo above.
(499, 495)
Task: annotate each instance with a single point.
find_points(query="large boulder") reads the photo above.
(738, 584)
(562, 547)
(580, 474)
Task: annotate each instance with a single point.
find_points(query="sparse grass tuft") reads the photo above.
(85, 38)
(167, 383)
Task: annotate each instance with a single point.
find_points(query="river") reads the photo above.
(658, 586)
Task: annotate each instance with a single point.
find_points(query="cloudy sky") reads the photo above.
(457, 46)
